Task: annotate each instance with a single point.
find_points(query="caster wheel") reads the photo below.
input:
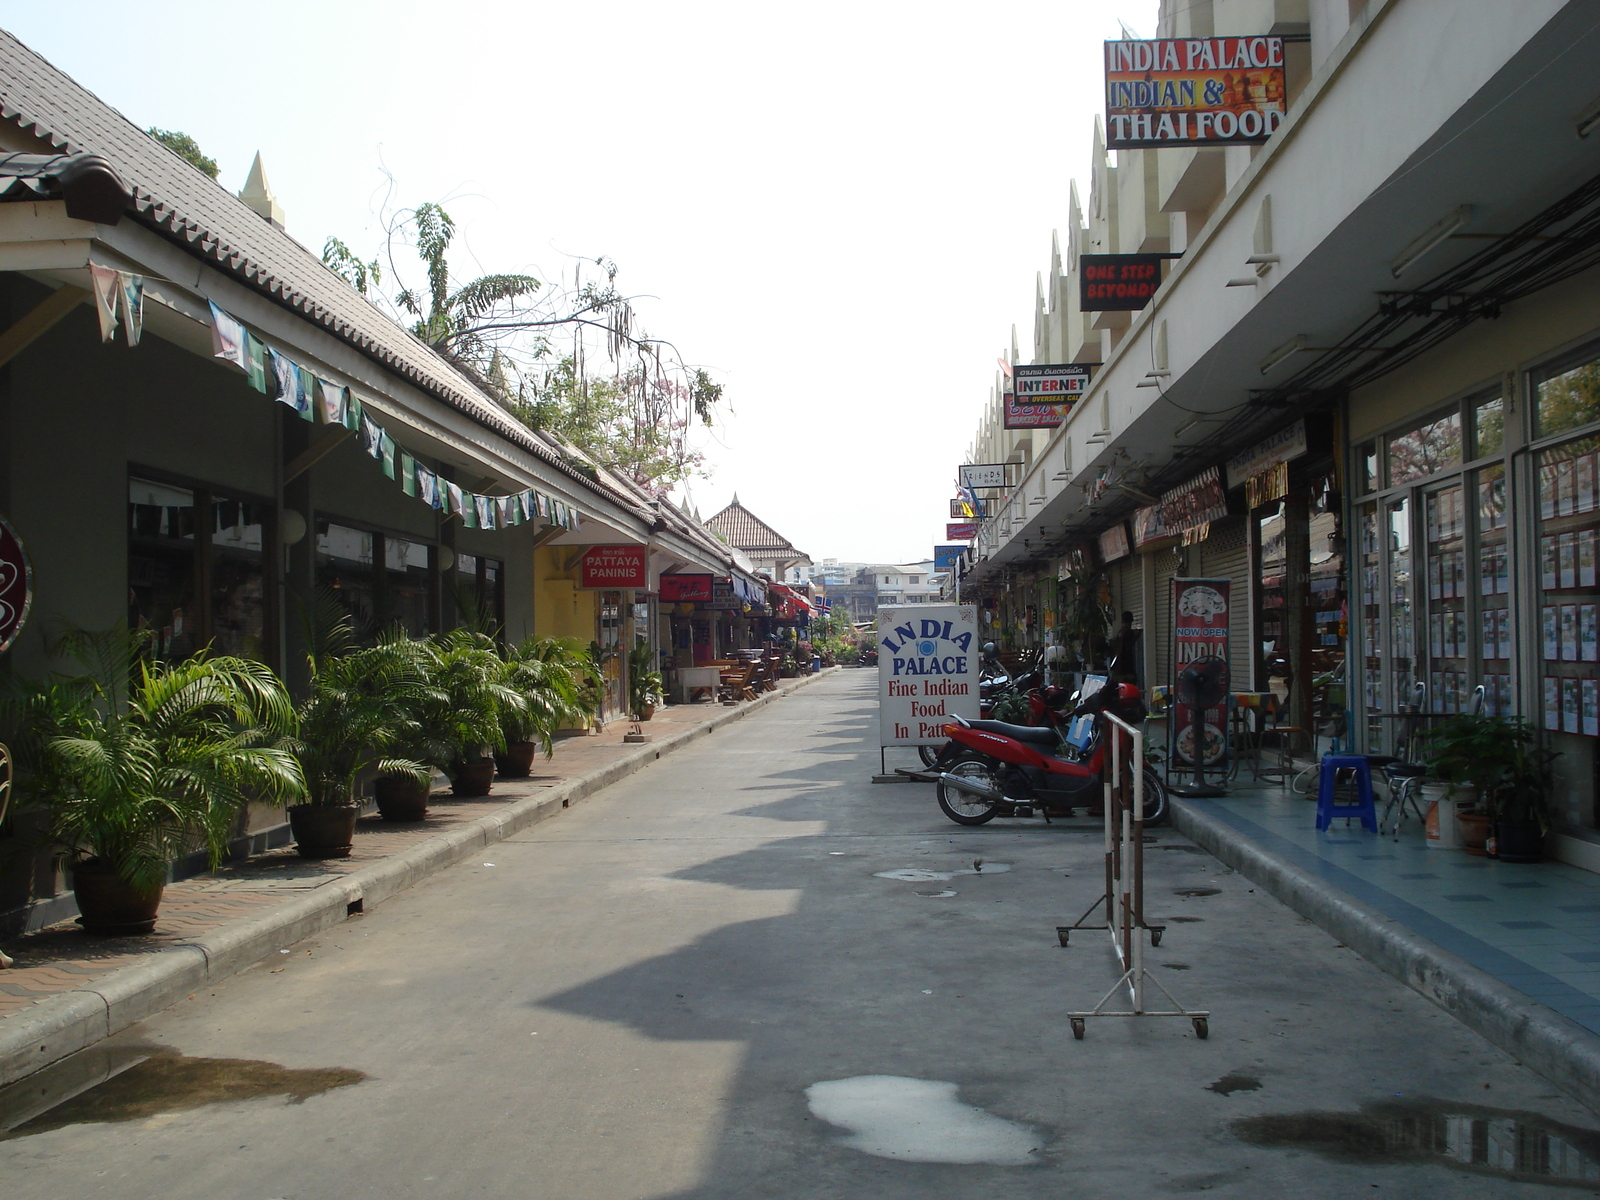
(1155, 937)
(1077, 1028)
(1063, 932)
(1201, 1028)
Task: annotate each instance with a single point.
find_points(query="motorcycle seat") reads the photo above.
(1037, 735)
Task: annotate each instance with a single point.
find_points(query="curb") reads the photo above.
(72, 1021)
(1538, 1037)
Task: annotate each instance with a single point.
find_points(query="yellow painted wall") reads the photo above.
(560, 607)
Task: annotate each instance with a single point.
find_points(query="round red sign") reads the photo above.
(16, 585)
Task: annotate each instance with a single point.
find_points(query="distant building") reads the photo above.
(767, 549)
(862, 588)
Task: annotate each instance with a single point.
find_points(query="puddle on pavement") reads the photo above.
(920, 1120)
(1185, 920)
(937, 895)
(1233, 1082)
(1520, 1146)
(919, 875)
(147, 1081)
(1197, 891)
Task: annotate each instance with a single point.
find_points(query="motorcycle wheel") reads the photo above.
(928, 754)
(963, 807)
(1156, 811)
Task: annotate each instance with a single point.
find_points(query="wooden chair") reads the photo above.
(738, 683)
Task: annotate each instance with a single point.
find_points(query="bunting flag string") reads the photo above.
(316, 399)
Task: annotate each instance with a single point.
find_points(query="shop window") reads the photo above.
(1402, 597)
(407, 585)
(1368, 456)
(480, 592)
(1370, 592)
(346, 572)
(1489, 426)
(1425, 450)
(1569, 547)
(1568, 396)
(1449, 652)
(197, 572)
(1495, 627)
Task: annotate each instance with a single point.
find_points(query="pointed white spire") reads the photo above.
(258, 194)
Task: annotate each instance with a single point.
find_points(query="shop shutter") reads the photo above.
(1158, 621)
(1226, 555)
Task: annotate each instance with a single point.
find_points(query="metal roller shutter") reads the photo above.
(1226, 555)
(1158, 620)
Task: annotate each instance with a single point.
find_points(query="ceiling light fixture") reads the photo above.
(1588, 119)
(1293, 346)
(1437, 234)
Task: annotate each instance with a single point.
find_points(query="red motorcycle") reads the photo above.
(991, 769)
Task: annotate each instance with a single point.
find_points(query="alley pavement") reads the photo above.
(746, 971)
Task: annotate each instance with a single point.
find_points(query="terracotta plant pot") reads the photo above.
(400, 797)
(517, 761)
(1474, 828)
(472, 779)
(648, 711)
(323, 832)
(111, 907)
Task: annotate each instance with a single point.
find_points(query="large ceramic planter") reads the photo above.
(646, 712)
(517, 761)
(401, 797)
(109, 906)
(472, 779)
(1474, 826)
(1518, 841)
(323, 832)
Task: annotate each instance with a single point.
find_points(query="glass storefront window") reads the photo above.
(1370, 592)
(162, 567)
(1368, 456)
(1495, 626)
(238, 578)
(1425, 450)
(345, 571)
(1397, 533)
(478, 595)
(407, 585)
(1449, 652)
(1489, 426)
(1567, 398)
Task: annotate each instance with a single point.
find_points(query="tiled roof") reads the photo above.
(186, 206)
(741, 528)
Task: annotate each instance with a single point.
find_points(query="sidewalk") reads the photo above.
(68, 990)
(1511, 949)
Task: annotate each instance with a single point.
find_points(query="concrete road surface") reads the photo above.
(748, 972)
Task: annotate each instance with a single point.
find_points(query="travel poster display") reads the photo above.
(928, 658)
(1200, 612)
(1569, 608)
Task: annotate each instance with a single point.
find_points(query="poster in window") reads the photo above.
(1433, 520)
(1552, 702)
(1502, 577)
(1583, 478)
(1571, 712)
(1460, 560)
(1547, 562)
(1436, 686)
(1436, 635)
(1591, 707)
(1488, 637)
(1586, 555)
(1547, 491)
(1588, 648)
(1505, 633)
(1566, 489)
(1435, 572)
(1486, 557)
(1491, 695)
(1552, 633)
(1569, 633)
(1458, 634)
(1567, 559)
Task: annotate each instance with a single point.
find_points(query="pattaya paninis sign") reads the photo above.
(1193, 91)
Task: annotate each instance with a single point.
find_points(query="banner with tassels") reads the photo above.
(316, 399)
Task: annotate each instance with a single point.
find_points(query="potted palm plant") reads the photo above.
(459, 722)
(547, 673)
(135, 764)
(645, 686)
(356, 721)
(1466, 753)
(1518, 806)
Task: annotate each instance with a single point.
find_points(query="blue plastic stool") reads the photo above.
(1327, 810)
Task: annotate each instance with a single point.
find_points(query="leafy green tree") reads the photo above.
(185, 147)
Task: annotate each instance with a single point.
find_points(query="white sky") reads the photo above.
(839, 211)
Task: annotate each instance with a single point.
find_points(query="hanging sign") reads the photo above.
(947, 558)
(1199, 630)
(927, 671)
(1022, 415)
(723, 597)
(1052, 383)
(1117, 282)
(1114, 543)
(613, 567)
(16, 585)
(966, 508)
(1224, 91)
(679, 588)
(1288, 443)
(1198, 502)
(983, 475)
(961, 531)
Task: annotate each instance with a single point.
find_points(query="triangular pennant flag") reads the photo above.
(371, 437)
(283, 377)
(458, 500)
(131, 289)
(353, 413)
(386, 453)
(307, 408)
(227, 338)
(510, 511)
(427, 486)
(525, 503)
(485, 506)
(104, 280)
(543, 509)
(469, 510)
(255, 357)
(408, 474)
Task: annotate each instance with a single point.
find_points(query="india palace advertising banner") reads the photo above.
(1218, 91)
(1199, 630)
(927, 671)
